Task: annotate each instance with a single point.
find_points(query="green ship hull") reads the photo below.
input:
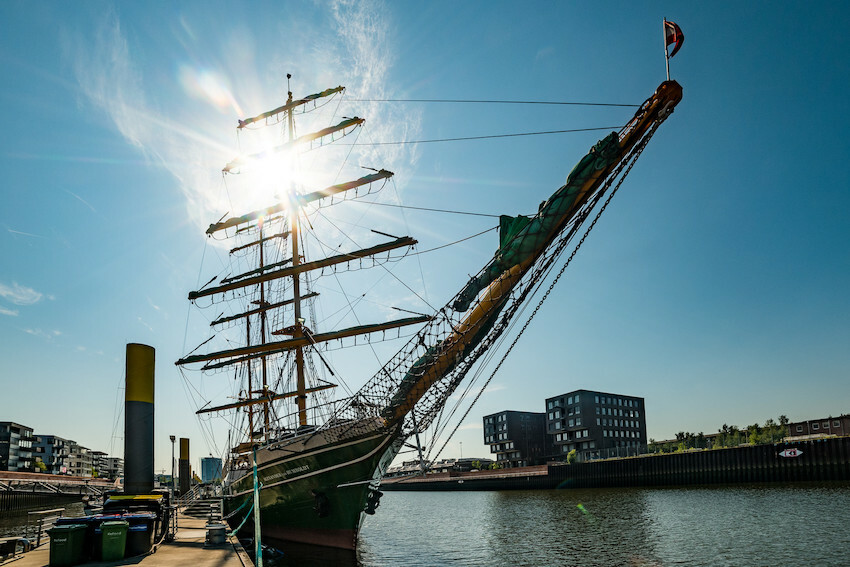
(314, 490)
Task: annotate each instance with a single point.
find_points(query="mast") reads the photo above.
(298, 331)
(263, 315)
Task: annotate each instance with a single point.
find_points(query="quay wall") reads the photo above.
(819, 460)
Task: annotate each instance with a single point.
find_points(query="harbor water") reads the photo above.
(753, 525)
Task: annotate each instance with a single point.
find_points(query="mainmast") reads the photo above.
(298, 327)
(262, 343)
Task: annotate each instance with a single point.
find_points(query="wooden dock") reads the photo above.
(188, 548)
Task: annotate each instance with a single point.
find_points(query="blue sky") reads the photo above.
(715, 286)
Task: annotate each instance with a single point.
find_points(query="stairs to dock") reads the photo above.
(209, 508)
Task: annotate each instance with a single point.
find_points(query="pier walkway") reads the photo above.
(188, 548)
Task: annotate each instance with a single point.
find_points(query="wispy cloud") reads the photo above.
(22, 233)
(19, 294)
(9, 312)
(83, 201)
(39, 333)
(145, 325)
(468, 426)
(151, 303)
(189, 142)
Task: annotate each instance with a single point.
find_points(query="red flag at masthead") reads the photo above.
(673, 36)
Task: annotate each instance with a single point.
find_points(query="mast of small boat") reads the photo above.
(298, 330)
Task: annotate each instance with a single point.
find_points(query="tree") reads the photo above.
(753, 432)
(571, 457)
(40, 466)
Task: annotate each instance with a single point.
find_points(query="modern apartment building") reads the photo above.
(113, 467)
(210, 469)
(80, 460)
(16, 447)
(517, 438)
(596, 424)
(54, 452)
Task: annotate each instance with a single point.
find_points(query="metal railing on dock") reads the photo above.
(39, 522)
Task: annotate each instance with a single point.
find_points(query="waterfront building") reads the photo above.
(54, 452)
(80, 460)
(16, 447)
(113, 467)
(98, 464)
(517, 438)
(820, 427)
(596, 424)
(210, 469)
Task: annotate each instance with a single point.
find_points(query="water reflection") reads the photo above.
(638, 527)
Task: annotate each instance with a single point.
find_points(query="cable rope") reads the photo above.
(380, 265)
(631, 160)
(426, 209)
(489, 137)
(464, 101)
(455, 242)
(519, 304)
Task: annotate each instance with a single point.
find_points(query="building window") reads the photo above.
(577, 398)
(826, 425)
(569, 400)
(799, 429)
(549, 405)
(596, 399)
(815, 426)
(836, 423)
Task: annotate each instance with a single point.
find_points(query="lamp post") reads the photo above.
(173, 439)
(173, 504)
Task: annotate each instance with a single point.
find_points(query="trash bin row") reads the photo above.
(100, 538)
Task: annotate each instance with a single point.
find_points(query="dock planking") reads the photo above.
(188, 548)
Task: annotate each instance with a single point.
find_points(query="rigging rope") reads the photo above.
(427, 209)
(463, 101)
(466, 138)
(632, 160)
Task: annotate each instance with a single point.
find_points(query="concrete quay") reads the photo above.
(188, 548)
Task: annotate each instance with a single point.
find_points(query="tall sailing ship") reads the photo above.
(317, 469)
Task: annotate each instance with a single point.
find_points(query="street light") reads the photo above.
(173, 438)
(173, 490)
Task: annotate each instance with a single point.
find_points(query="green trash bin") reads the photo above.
(67, 545)
(113, 539)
